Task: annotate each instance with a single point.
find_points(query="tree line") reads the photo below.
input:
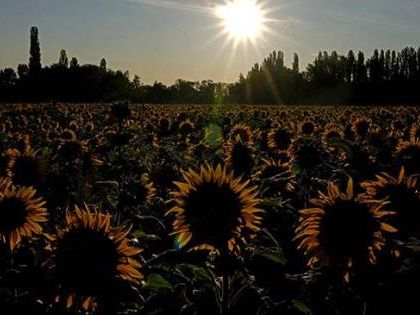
(386, 77)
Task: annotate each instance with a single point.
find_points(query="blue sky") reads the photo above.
(164, 40)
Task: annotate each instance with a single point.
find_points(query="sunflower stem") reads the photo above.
(225, 294)
(225, 282)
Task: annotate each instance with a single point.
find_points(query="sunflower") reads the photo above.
(332, 132)
(279, 139)
(239, 156)
(361, 126)
(213, 209)
(279, 175)
(68, 135)
(403, 195)
(307, 155)
(342, 231)
(20, 213)
(26, 166)
(186, 127)
(307, 127)
(120, 111)
(137, 191)
(408, 155)
(414, 132)
(243, 131)
(71, 150)
(88, 257)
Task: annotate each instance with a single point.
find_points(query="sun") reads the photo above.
(242, 19)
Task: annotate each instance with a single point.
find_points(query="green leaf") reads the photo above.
(274, 254)
(301, 306)
(156, 282)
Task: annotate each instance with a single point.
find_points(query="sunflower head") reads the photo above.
(403, 195)
(21, 213)
(408, 155)
(137, 192)
(342, 232)
(307, 156)
(361, 126)
(244, 133)
(332, 133)
(279, 139)
(239, 156)
(278, 174)
(88, 256)
(186, 127)
(214, 210)
(71, 150)
(120, 111)
(307, 127)
(26, 167)
(414, 132)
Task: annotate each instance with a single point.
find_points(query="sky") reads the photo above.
(163, 40)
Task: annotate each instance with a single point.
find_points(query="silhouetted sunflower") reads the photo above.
(279, 174)
(332, 133)
(408, 155)
(213, 209)
(307, 155)
(186, 127)
(120, 111)
(342, 232)
(279, 139)
(26, 167)
(403, 195)
(20, 213)
(68, 135)
(71, 150)
(244, 132)
(137, 192)
(361, 126)
(239, 156)
(307, 127)
(414, 133)
(88, 257)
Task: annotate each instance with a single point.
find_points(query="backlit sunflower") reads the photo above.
(88, 257)
(243, 131)
(408, 155)
(26, 166)
(186, 127)
(342, 231)
(279, 139)
(307, 127)
(403, 195)
(21, 213)
(239, 156)
(137, 191)
(332, 132)
(213, 210)
(361, 126)
(278, 174)
(414, 132)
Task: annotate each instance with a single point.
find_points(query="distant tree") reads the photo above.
(103, 65)
(295, 65)
(350, 69)
(35, 53)
(74, 63)
(361, 71)
(22, 71)
(63, 60)
(136, 82)
(8, 77)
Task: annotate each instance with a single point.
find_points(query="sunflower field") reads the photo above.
(189, 209)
